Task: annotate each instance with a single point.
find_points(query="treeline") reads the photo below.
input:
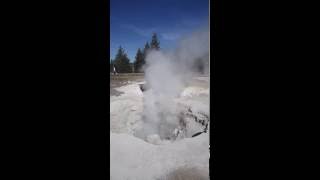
(122, 64)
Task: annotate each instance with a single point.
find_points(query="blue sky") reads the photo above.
(132, 22)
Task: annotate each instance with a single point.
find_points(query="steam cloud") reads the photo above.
(166, 74)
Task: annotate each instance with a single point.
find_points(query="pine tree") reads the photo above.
(155, 44)
(146, 47)
(144, 53)
(138, 63)
(145, 50)
(111, 65)
(122, 62)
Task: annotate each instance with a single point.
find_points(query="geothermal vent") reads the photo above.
(168, 124)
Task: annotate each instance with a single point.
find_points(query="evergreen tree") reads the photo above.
(144, 53)
(111, 65)
(139, 61)
(146, 47)
(122, 62)
(145, 50)
(155, 44)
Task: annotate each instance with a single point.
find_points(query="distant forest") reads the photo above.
(122, 63)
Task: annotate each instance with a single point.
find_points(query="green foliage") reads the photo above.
(139, 61)
(146, 48)
(155, 44)
(145, 51)
(111, 65)
(122, 62)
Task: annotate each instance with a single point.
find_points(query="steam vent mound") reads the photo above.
(187, 120)
(143, 87)
(155, 136)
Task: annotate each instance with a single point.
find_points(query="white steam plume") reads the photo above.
(167, 74)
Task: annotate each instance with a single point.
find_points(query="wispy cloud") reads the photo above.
(182, 27)
(170, 36)
(191, 22)
(145, 32)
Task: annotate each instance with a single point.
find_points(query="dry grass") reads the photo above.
(124, 78)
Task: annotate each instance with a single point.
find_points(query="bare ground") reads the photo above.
(122, 80)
